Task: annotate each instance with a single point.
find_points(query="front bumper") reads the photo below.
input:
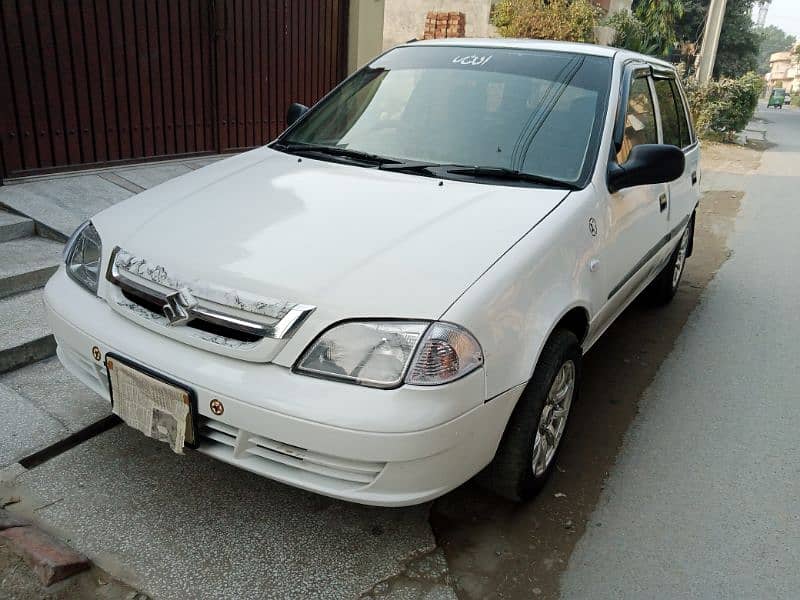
(383, 447)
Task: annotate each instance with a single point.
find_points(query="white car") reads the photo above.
(394, 295)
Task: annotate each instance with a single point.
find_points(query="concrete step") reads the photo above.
(24, 429)
(52, 389)
(24, 336)
(27, 263)
(13, 227)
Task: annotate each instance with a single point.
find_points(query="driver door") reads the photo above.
(638, 217)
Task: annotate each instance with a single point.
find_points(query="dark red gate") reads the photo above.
(88, 82)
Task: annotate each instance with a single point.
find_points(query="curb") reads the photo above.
(50, 559)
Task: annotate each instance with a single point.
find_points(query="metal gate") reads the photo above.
(88, 82)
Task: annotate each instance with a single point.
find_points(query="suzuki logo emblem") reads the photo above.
(178, 307)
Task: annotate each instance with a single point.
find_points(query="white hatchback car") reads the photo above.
(395, 295)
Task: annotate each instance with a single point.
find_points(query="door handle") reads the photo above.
(694, 177)
(662, 202)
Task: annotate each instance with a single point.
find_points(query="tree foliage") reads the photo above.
(659, 18)
(569, 20)
(631, 33)
(689, 28)
(773, 39)
(739, 41)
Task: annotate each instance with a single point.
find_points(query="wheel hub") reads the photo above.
(553, 419)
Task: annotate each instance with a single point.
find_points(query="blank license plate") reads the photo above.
(159, 408)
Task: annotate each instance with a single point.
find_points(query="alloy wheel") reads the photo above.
(680, 259)
(553, 420)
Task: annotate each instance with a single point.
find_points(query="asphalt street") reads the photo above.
(704, 501)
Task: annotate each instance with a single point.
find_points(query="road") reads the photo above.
(704, 501)
(678, 477)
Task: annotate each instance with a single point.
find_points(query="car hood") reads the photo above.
(352, 241)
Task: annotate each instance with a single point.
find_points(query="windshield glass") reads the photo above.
(536, 112)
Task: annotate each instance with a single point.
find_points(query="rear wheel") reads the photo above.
(664, 287)
(530, 444)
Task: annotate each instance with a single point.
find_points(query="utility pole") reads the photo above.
(763, 8)
(708, 51)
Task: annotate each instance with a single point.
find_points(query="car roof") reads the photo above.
(553, 46)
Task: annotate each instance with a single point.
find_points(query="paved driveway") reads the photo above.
(191, 527)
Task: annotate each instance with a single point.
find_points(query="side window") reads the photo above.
(670, 123)
(686, 131)
(640, 119)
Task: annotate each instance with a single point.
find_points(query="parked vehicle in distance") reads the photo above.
(396, 294)
(777, 98)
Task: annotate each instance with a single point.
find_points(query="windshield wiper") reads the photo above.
(372, 159)
(511, 175)
(413, 167)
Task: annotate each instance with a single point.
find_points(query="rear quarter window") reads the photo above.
(670, 113)
(687, 136)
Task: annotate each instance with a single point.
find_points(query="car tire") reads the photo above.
(663, 288)
(529, 448)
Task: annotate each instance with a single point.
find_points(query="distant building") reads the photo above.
(785, 70)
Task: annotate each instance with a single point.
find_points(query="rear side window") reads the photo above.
(686, 130)
(673, 116)
(640, 119)
(670, 119)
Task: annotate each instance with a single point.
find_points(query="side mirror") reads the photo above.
(646, 165)
(296, 110)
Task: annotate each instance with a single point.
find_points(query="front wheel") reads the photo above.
(527, 453)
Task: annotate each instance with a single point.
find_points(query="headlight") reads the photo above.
(82, 256)
(384, 353)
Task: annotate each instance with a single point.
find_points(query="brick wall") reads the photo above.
(445, 25)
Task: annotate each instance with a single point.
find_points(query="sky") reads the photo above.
(784, 14)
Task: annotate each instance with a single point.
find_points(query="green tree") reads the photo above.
(630, 33)
(659, 18)
(689, 28)
(773, 39)
(739, 42)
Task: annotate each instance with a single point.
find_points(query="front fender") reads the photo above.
(514, 307)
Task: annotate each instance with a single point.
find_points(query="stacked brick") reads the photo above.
(445, 25)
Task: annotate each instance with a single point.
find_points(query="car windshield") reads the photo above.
(537, 113)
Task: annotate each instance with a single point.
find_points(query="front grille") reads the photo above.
(155, 306)
(198, 311)
(274, 458)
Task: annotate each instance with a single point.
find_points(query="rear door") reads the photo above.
(682, 194)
